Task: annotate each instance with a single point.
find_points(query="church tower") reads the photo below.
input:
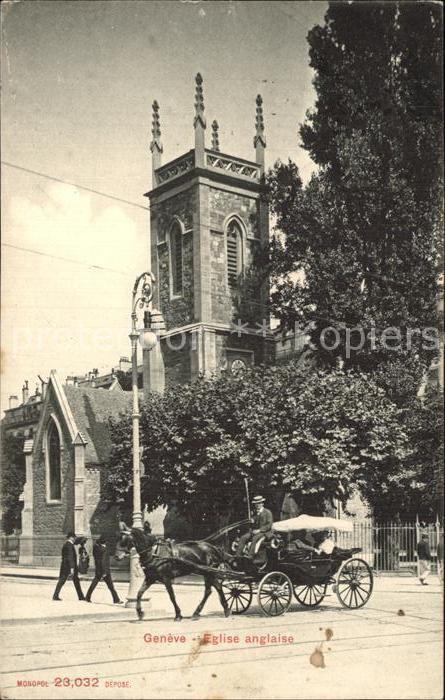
(209, 233)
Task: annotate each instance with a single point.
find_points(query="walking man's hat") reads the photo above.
(257, 499)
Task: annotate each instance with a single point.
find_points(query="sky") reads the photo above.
(78, 82)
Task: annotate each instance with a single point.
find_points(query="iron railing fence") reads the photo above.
(391, 546)
(386, 547)
(10, 548)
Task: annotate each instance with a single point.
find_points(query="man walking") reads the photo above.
(424, 556)
(68, 566)
(102, 570)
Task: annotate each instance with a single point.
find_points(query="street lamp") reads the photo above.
(142, 296)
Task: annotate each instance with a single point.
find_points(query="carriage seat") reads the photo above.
(259, 544)
(267, 540)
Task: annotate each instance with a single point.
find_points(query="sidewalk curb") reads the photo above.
(60, 618)
(43, 577)
(105, 617)
(405, 584)
(55, 576)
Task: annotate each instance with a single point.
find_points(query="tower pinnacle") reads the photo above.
(259, 141)
(156, 129)
(199, 103)
(199, 121)
(156, 144)
(259, 123)
(215, 137)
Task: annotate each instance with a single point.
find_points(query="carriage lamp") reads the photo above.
(147, 337)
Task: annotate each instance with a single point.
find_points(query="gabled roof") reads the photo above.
(64, 405)
(91, 409)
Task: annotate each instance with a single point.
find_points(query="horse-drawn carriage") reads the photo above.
(280, 570)
(284, 569)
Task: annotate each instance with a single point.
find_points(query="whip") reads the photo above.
(246, 484)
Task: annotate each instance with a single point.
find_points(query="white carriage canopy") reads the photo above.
(311, 522)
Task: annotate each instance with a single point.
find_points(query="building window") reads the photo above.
(54, 463)
(176, 259)
(234, 253)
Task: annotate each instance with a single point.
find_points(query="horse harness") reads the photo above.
(162, 549)
(165, 549)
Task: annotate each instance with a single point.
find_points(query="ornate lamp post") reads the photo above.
(142, 296)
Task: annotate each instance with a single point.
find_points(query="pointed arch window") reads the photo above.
(54, 463)
(234, 253)
(176, 268)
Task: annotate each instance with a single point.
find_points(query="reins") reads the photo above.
(144, 550)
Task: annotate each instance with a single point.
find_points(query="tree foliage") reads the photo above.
(358, 245)
(13, 479)
(423, 493)
(318, 436)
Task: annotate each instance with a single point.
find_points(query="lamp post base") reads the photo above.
(137, 578)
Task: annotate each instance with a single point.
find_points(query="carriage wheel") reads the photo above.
(354, 583)
(274, 593)
(310, 595)
(238, 595)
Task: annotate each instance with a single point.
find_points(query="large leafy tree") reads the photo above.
(424, 466)
(319, 436)
(358, 245)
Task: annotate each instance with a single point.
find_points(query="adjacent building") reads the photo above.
(66, 469)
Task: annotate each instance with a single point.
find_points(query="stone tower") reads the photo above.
(209, 231)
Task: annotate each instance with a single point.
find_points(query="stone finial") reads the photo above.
(199, 103)
(259, 124)
(156, 129)
(199, 123)
(215, 137)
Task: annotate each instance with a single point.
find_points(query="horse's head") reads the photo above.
(137, 538)
(142, 540)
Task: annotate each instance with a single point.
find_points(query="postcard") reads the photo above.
(222, 350)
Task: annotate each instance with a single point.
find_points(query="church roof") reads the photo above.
(91, 409)
(106, 381)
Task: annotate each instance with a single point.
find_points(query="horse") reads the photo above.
(189, 557)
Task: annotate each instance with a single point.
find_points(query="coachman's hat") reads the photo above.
(257, 500)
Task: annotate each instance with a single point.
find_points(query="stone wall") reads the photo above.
(177, 361)
(100, 516)
(222, 308)
(203, 211)
(261, 350)
(222, 204)
(246, 303)
(177, 311)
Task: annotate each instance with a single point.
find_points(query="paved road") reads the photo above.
(375, 652)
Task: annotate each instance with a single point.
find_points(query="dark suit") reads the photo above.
(102, 571)
(68, 565)
(263, 522)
